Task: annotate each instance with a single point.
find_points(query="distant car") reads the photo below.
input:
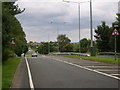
(34, 55)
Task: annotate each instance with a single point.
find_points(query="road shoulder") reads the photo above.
(21, 79)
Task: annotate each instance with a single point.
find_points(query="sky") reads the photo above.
(43, 20)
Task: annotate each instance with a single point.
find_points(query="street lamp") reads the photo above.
(91, 31)
(58, 33)
(48, 44)
(78, 17)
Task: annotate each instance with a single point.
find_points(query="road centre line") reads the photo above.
(30, 76)
(87, 69)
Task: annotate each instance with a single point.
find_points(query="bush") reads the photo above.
(7, 53)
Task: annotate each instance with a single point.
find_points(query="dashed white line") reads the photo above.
(30, 76)
(88, 69)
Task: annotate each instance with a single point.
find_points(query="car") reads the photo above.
(34, 55)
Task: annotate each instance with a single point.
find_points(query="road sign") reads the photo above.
(115, 32)
(13, 42)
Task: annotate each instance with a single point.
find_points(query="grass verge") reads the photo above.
(8, 70)
(103, 59)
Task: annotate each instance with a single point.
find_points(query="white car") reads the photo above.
(34, 55)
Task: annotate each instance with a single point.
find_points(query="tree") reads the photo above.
(103, 37)
(85, 44)
(43, 48)
(112, 39)
(11, 28)
(63, 40)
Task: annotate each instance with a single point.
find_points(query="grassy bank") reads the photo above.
(8, 70)
(103, 59)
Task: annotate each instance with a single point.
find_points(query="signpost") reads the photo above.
(115, 33)
(13, 43)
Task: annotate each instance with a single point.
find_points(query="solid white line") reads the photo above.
(30, 76)
(106, 70)
(116, 74)
(88, 69)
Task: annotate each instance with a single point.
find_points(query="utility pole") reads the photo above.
(91, 30)
(79, 26)
(78, 19)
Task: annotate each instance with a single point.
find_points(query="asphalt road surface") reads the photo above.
(51, 73)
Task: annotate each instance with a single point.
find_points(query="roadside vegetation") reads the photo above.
(8, 70)
(13, 36)
(102, 59)
(104, 41)
(13, 42)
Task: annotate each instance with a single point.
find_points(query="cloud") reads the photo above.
(39, 13)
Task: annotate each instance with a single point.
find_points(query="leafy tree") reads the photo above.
(11, 28)
(68, 48)
(43, 48)
(103, 37)
(75, 47)
(63, 40)
(53, 46)
(112, 39)
(85, 44)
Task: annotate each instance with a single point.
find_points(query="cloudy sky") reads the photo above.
(38, 15)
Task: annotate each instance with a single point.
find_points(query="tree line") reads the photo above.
(104, 41)
(13, 37)
(63, 44)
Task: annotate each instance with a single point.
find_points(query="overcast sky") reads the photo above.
(38, 14)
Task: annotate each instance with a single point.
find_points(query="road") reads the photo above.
(47, 72)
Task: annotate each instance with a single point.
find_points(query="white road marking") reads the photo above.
(30, 76)
(103, 66)
(106, 70)
(88, 69)
(115, 74)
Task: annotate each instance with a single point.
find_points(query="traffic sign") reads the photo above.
(115, 32)
(13, 42)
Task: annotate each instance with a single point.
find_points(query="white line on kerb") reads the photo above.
(88, 69)
(30, 76)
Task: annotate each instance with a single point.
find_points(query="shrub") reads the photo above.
(7, 53)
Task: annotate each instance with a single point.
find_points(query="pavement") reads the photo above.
(55, 72)
(108, 68)
(63, 72)
(21, 79)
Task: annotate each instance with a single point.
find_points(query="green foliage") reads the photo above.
(63, 41)
(105, 40)
(68, 48)
(7, 54)
(8, 70)
(103, 37)
(75, 47)
(85, 44)
(103, 59)
(43, 48)
(11, 29)
(53, 46)
(118, 37)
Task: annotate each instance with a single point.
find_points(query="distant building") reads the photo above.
(119, 7)
(33, 44)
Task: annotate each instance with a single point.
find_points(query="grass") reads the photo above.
(8, 70)
(103, 59)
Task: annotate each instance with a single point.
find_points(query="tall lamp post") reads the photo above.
(58, 33)
(78, 18)
(92, 52)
